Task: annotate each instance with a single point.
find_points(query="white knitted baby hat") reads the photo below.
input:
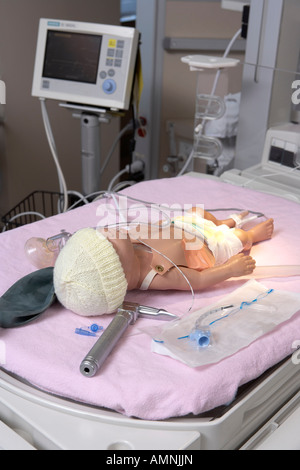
(88, 276)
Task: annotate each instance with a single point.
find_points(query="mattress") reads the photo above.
(135, 381)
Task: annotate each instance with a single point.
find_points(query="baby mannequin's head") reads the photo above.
(89, 277)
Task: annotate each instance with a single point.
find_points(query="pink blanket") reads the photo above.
(134, 381)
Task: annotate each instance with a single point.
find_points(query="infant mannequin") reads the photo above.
(138, 262)
(147, 259)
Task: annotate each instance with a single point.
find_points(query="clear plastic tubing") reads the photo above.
(274, 271)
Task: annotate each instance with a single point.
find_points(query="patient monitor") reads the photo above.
(89, 68)
(85, 63)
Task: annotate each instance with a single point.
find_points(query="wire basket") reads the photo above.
(38, 205)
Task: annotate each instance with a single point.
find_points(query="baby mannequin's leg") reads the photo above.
(259, 233)
(208, 216)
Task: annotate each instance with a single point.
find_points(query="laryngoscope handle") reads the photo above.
(107, 341)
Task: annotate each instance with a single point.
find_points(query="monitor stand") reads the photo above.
(90, 120)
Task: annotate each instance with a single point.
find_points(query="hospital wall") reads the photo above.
(26, 163)
(192, 19)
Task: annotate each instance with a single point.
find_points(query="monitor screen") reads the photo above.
(72, 56)
(88, 64)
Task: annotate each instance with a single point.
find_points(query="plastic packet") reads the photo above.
(231, 333)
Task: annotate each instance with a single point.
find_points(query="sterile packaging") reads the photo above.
(262, 310)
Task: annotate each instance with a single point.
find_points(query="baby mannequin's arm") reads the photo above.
(238, 265)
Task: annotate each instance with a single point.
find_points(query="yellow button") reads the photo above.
(112, 43)
(159, 268)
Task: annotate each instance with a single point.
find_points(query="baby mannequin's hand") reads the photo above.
(240, 265)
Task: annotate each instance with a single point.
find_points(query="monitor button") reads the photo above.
(109, 86)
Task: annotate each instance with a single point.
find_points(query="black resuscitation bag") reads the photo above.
(28, 298)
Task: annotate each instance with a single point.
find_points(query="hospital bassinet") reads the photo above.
(142, 400)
